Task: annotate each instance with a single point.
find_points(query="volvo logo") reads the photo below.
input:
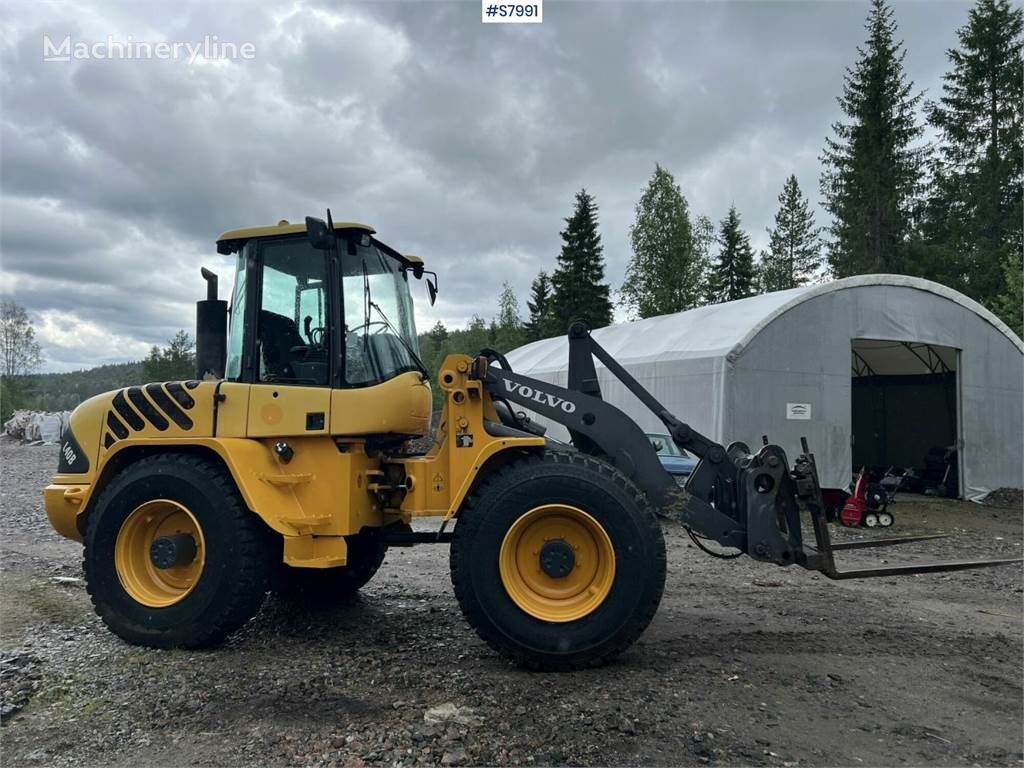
(537, 396)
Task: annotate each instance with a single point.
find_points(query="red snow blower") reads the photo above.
(868, 505)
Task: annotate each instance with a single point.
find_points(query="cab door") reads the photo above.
(291, 350)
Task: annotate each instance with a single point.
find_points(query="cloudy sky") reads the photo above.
(458, 141)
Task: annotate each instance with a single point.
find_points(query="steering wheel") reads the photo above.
(365, 327)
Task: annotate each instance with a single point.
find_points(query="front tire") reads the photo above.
(557, 563)
(173, 558)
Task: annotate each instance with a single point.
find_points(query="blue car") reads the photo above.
(674, 459)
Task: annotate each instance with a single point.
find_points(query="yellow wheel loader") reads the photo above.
(286, 464)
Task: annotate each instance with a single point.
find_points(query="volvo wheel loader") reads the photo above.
(286, 464)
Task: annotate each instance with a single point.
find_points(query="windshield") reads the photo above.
(380, 331)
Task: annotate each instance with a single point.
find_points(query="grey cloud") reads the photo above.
(459, 141)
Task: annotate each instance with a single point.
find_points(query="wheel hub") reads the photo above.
(557, 563)
(171, 551)
(159, 553)
(557, 558)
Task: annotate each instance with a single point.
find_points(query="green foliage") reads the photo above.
(438, 334)
(580, 292)
(174, 362)
(64, 391)
(13, 396)
(705, 239)
(732, 275)
(872, 168)
(666, 272)
(509, 332)
(18, 345)
(540, 325)
(439, 342)
(794, 244)
(1009, 305)
(974, 212)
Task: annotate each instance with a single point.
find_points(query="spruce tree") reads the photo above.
(975, 211)
(438, 334)
(539, 304)
(578, 287)
(794, 244)
(664, 274)
(732, 275)
(872, 166)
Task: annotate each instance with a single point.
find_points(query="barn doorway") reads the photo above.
(905, 402)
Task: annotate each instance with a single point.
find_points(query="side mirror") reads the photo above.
(432, 288)
(320, 235)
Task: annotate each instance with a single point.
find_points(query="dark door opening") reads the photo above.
(905, 402)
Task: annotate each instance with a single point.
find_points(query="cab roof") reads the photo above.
(233, 239)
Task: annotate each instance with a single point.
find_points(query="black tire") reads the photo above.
(238, 562)
(609, 498)
(366, 551)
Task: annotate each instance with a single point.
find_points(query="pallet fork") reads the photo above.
(753, 502)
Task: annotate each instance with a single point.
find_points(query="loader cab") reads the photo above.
(319, 320)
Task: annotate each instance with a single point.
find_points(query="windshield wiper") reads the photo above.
(371, 353)
(405, 343)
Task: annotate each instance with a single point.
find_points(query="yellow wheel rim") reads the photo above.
(557, 563)
(142, 580)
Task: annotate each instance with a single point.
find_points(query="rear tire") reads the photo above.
(366, 551)
(198, 603)
(604, 572)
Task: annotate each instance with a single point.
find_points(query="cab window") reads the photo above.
(291, 325)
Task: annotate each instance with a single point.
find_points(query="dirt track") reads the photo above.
(744, 664)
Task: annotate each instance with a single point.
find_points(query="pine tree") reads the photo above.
(176, 361)
(872, 168)
(438, 334)
(732, 275)
(975, 212)
(664, 274)
(539, 304)
(578, 287)
(794, 244)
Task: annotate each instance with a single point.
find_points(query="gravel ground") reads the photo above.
(744, 664)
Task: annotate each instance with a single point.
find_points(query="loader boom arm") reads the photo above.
(750, 501)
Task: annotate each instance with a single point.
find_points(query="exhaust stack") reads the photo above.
(211, 331)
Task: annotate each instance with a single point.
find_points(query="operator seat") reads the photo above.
(278, 335)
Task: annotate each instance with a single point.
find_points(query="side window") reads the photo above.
(236, 323)
(292, 324)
